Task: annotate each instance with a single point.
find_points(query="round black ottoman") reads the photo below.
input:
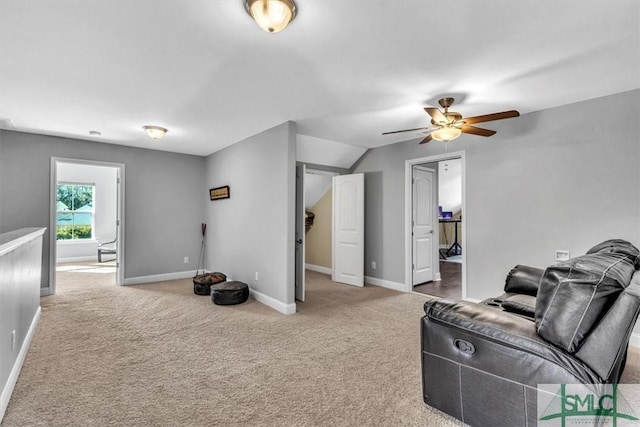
(229, 293)
(202, 282)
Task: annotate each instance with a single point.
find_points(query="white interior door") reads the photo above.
(348, 229)
(423, 224)
(300, 230)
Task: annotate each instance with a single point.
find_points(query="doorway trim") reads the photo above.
(120, 167)
(408, 199)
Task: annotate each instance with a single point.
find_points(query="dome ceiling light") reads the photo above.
(155, 132)
(271, 15)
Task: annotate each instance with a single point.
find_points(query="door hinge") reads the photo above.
(117, 222)
(118, 180)
(413, 266)
(117, 265)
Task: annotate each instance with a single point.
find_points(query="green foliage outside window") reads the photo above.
(69, 232)
(74, 211)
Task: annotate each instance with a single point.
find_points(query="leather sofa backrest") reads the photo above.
(618, 246)
(604, 349)
(575, 295)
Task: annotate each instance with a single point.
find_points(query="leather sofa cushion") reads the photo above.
(523, 279)
(524, 305)
(574, 295)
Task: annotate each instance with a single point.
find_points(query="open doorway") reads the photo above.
(87, 216)
(329, 227)
(318, 207)
(435, 231)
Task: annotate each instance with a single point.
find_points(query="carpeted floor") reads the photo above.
(159, 355)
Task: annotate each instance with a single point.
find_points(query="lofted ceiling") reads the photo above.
(344, 71)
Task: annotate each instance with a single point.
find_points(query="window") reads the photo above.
(74, 217)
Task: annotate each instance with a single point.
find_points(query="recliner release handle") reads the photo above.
(464, 346)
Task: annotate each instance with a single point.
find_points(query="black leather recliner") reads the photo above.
(568, 324)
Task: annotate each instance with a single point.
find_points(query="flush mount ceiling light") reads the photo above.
(271, 15)
(155, 132)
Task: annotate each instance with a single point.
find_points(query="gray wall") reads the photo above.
(563, 178)
(253, 231)
(164, 204)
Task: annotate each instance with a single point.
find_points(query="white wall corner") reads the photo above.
(272, 302)
(396, 286)
(7, 388)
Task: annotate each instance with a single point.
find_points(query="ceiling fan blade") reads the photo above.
(427, 139)
(491, 117)
(477, 131)
(405, 130)
(436, 115)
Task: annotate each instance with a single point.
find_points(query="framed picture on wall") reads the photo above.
(220, 193)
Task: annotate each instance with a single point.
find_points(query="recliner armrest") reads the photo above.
(487, 328)
(486, 321)
(523, 279)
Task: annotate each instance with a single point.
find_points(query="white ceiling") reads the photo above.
(345, 71)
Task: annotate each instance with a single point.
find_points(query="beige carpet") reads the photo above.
(159, 355)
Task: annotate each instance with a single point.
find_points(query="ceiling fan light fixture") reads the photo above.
(447, 133)
(155, 132)
(271, 15)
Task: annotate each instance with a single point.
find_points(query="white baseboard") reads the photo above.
(473, 300)
(272, 302)
(318, 268)
(17, 366)
(77, 259)
(635, 339)
(386, 284)
(158, 277)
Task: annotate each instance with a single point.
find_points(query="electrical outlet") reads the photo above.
(562, 255)
(13, 339)
(373, 265)
(256, 276)
(186, 260)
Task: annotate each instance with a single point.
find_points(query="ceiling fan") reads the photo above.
(449, 125)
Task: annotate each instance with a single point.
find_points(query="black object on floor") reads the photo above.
(202, 282)
(229, 293)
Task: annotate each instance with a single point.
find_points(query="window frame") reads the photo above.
(92, 212)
